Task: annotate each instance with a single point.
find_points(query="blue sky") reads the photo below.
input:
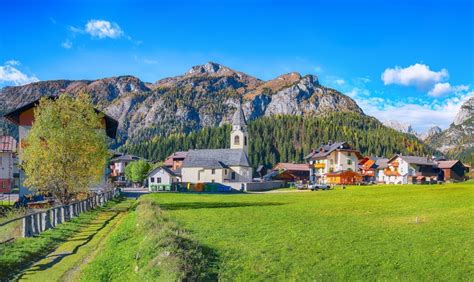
(410, 61)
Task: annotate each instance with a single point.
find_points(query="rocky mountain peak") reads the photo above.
(466, 112)
(434, 130)
(210, 68)
(400, 126)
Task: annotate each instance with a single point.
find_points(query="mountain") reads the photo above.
(205, 96)
(434, 130)
(457, 141)
(400, 126)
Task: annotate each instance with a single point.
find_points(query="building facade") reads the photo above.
(333, 159)
(410, 169)
(9, 177)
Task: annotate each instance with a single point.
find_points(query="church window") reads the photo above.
(236, 140)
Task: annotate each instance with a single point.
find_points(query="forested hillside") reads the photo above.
(287, 138)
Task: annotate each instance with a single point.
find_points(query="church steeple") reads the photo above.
(238, 136)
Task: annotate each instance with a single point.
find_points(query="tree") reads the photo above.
(137, 171)
(65, 153)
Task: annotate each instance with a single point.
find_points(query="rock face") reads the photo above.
(458, 140)
(400, 126)
(206, 95)
(430, 133)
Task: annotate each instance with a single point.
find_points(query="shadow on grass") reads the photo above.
(59, 257)
(214, 205)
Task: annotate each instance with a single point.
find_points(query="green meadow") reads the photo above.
(387, 232)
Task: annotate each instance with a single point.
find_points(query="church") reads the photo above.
(221, 165)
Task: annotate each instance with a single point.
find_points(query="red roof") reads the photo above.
(7, 144)
(291, 166)
(175, 155)
(447, 164)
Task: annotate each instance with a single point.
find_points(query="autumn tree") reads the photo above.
(137, 171)
(66, 149)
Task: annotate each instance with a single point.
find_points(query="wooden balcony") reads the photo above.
(319, 165)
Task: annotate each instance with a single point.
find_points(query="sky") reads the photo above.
(410, 61)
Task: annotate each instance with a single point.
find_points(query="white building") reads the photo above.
(221, 165)
(332, 160)
(409, 169)
(8, 164)
(162, 179)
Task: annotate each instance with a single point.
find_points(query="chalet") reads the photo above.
(221, 165)
(371, 169)
(9, 177)
(162, 179)
(452, 170)
(289, 172)
(334, 163)
(410, 169)
(175, 160)
(24, 117)
(117, 167)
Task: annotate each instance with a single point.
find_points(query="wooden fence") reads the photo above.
(35, 223)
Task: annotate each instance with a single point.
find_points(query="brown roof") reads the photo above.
(175, 155)
(291, 166)
(414, 160)
(7, 144)
(447, 164)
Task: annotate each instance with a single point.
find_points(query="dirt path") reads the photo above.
(65, 263)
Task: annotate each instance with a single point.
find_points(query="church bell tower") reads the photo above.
(239, 135)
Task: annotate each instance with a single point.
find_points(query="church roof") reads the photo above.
(216, 158)
(239, 117)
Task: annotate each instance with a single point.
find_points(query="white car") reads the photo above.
(316, 187)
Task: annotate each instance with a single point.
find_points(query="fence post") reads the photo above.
(46, 220)
(37, 220)
(26, 232)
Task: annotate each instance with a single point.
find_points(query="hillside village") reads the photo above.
(229, 169)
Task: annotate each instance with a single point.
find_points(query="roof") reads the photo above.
(342, 172)
(414, 160)
(175, 155)
(325, 150)
(447, 164)
(239, 117)
(125, 158)
(166, 169)
(292, 166)
(381, 163)
(7, 144)
(216, 158)
(111, 124)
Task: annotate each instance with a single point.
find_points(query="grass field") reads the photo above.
(373, 232)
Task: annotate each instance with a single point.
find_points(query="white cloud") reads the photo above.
(440, 89)
(418, 75)
(10, 75)
(103, 29)
(66, 44)
(420, 115)
(340, 81)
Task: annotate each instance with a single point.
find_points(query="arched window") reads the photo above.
(236, 140)
(245, 140)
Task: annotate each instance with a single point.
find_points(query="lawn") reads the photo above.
(369, 232)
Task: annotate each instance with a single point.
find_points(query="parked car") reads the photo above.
(316, 187)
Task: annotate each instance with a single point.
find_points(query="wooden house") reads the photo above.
(453, 170)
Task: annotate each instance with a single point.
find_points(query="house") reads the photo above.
(175, 160)
(221, 165)
(162, 179)
(371, 169)
(24, 117)
(452, 170)
(8, 164)
(117, 167)
(410, 169)
(289, 172)
(334, 160)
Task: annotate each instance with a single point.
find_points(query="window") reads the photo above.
(225, 171)
(245, 140)
(349, 154)
(349, 162)
(152, 179)
(232, 175)
(236, 140)
(158, 180)
(213, 171)
(331, 161)
(331, 169)
(349, 169)
(213, 181)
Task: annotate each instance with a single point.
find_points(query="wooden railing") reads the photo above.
(38, 222)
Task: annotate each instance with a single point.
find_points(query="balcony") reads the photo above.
(319, 165)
